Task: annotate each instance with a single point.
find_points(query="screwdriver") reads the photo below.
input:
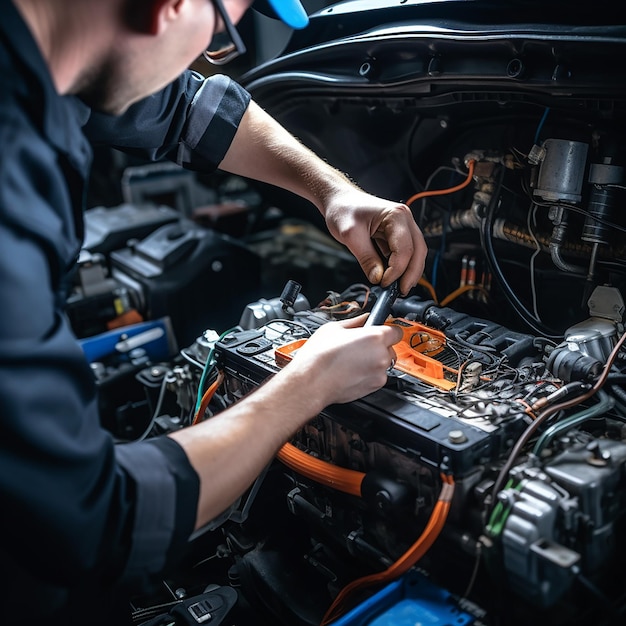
(382, 307)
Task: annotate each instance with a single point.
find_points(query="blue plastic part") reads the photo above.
(410, 600)
(160, 347)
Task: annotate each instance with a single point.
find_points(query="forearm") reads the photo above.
(229, 450)
(262, 149)
(339, 363)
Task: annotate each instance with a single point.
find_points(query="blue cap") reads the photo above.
(289, 11)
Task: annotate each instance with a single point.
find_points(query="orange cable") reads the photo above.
(346, 480)
(431, 290)
(206, 397)
(349, 481)
(408, 559)
(441, 192)
(460, 291)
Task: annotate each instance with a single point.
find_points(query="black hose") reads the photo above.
(487, 244)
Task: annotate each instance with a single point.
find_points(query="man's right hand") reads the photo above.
(344, 361)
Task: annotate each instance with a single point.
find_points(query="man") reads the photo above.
(84, 518)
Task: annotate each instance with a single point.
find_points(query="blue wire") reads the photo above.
(541, 121)
(440, 252)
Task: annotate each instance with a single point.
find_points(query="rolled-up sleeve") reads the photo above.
(191, 122)
(165, 506)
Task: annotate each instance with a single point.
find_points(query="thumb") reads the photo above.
(353, 322)
(394, 333)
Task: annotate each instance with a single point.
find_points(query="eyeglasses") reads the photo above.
(227, 45)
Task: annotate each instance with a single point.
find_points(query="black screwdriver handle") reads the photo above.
(382, 307)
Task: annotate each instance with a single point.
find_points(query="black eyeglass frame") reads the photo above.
(234, 49)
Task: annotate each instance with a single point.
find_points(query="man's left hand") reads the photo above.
(369, 227)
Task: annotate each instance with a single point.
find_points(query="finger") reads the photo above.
(391, 334)
(396, 335)
(368, 258)
(407, 256)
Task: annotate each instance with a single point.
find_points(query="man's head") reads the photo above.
(116, 52)
(181, 30)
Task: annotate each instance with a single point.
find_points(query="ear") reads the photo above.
(151, 16)
(162, 12)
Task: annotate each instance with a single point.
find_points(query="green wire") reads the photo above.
(208, 365)
(500, 513)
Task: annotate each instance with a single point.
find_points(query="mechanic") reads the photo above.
(87, 521)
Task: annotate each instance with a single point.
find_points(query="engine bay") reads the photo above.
(483, 462)
(492, 465)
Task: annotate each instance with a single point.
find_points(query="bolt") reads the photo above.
(457, 436)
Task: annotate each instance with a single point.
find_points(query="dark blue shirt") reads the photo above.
(82, 517)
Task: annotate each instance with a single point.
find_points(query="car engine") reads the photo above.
(522, 435)
(492, 465)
